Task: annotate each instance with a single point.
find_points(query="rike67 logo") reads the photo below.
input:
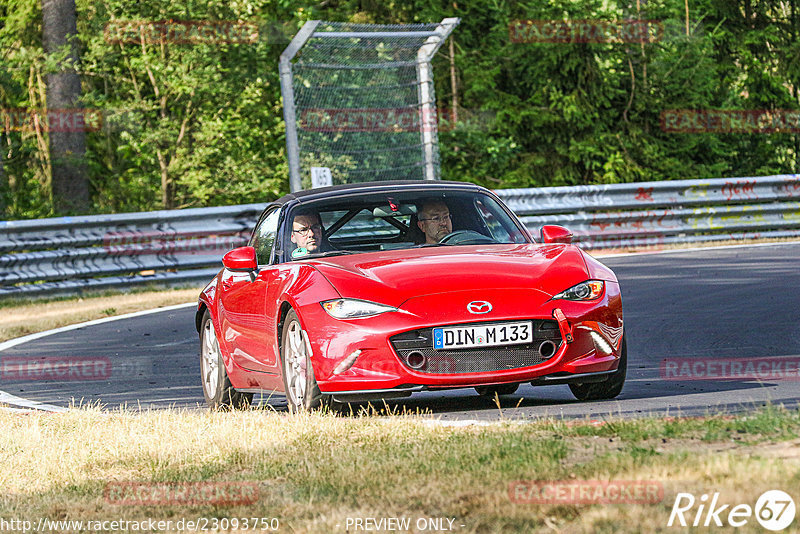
(774, 510)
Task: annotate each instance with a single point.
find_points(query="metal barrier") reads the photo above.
(659, 213)
(69, 255)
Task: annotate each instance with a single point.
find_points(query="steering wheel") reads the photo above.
(466, 237)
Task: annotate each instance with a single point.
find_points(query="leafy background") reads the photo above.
(202, 125)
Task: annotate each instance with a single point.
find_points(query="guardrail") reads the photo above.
(659, 213)
(69, 255)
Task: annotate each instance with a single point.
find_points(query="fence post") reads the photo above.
(287, 92)
(427, 120)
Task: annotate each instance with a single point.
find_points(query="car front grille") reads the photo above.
(475, 359)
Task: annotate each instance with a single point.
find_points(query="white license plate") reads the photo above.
(490, 335)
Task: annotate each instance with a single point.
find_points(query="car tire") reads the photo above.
(218, 391)
(608, 389)
(502, 389)
(302, 391)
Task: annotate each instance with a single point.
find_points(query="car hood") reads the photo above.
(393, 277)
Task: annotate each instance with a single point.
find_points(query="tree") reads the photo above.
(200, 123)
(70, 182)
(3, 186)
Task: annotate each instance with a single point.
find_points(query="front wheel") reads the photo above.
(217, 389)
(608, 389)
(302, 391)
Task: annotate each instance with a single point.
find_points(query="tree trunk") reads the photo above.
(793, 6)
(453, 85)
(641, 43)
(687, 17)
(67, 144)
(3, 186)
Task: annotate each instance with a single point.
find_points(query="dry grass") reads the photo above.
(313, 472)
(20, 319)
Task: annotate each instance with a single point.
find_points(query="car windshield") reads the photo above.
(403, 220)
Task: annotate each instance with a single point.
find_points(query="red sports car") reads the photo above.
(378, 290)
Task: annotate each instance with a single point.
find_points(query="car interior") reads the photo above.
(386, 223)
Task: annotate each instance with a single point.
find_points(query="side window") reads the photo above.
(264, 237)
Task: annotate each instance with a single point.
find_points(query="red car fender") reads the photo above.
(207, 300)
(596, 270)
(305, 286)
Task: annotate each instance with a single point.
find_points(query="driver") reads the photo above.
(306, 234)
(434, 220)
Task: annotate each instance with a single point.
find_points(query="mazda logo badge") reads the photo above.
(479, 306)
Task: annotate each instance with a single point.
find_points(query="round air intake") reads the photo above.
(416, 360)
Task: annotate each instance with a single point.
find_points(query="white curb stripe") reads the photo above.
(13, 400)
(24, 339)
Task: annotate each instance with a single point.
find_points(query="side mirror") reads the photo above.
(552, 233)
(242, 259)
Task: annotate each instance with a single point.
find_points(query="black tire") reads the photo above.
(218, 392)
(502, 389)
(298, 373)
(608, 389)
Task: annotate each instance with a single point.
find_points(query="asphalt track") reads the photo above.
(731, 302)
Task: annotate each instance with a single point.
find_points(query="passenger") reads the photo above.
(434, 219)
(306, 234)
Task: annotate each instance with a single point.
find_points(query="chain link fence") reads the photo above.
(359, 102)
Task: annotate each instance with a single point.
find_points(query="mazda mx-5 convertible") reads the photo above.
(379, 290)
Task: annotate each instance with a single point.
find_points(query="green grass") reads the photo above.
(770, 422)
(14, 302)
(314, 471)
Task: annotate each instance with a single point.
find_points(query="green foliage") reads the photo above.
(190, 124)
(200, 125)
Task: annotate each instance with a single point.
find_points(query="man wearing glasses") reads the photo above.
(306, 234)
(434, 220)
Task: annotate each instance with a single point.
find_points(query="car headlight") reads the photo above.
(354, 308)
(588, 290)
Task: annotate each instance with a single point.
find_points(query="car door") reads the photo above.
(247, 318)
